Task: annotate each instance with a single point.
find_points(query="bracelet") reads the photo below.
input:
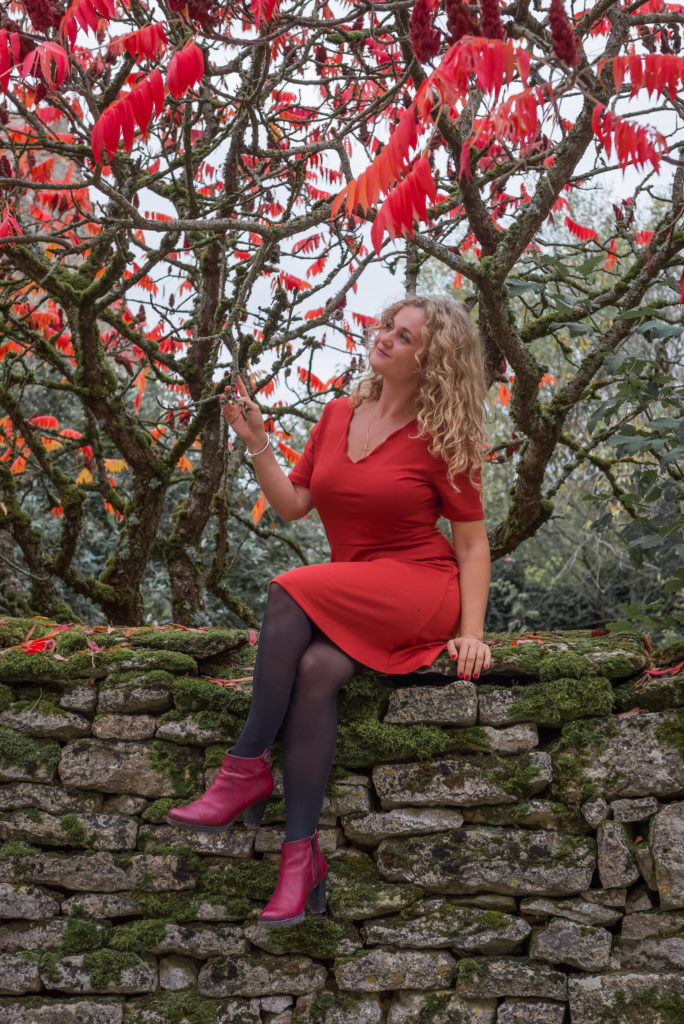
(252, 454)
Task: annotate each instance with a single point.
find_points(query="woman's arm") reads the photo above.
(288, 500)
(471, 548)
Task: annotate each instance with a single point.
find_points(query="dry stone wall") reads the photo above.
(500, 851)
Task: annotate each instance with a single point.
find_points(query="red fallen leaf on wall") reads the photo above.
(186, 67)
(252, 637)
(121, 116)
(579, 231)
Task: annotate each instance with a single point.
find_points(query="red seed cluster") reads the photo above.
(562, 36)
(461, 20)
(492, 25)
(425, 38)
(44, 14)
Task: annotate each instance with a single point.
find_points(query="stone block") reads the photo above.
(526, 1011)
(440, 1008)
(101, 872)
(666, 842)
(461, 781)
(143, 769)
(616, 864)
(626, 998)
(53, 1011)
(578, 945)
(482, 977)
(105, 970)
(45, 721)
(18, 975)
(130, 728)
(260, 975)
(513, 861)
(380, 970)
(453, 704)
(435, 924)
(28, 903)
(90, 829)
(371, 829)
(177, 973)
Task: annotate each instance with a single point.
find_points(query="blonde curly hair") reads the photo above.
(450, 400)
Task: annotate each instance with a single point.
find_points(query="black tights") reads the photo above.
(296, 681)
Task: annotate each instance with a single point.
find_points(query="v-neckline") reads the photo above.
(345, 440)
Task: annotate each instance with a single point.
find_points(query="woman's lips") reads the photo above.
(377, 349)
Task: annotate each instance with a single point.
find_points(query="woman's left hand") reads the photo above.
(473, 655)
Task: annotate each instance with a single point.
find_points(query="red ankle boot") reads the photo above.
(301, 881)
(242, 784)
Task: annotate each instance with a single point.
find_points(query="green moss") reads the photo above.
(671, 732)
(367, 741)
(652, 1006)
(48, 964)
(45, 706)
(325, 1002)
(193, 694)
(669, 654)
(316, 936)
(16, 666)
(578, 748)
(157, 679)
(562, 700)
(105, 966)
(200, 643)
(208, 720)
(563, 664)
(471, 971)
(139, 936)
(365, 696)
(655, 693)
(17, 750)
(74, 831)
(82, 935)
(157, 811)
(253, 879)
(436, 1005)
(6, 697)
(184, 773)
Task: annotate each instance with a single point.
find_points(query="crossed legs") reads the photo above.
(297, 676)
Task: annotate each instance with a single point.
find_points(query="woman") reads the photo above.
(380, 466)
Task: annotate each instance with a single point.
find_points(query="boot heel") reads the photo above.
(316, 899)
(254, 813)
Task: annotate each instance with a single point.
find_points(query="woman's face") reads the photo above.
(394, 352)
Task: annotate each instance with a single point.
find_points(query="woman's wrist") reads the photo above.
(259, 446)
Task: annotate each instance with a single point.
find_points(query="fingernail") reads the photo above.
(476, 675)
(460, 675)
(467, 677)
(487, 666)
(453, 657)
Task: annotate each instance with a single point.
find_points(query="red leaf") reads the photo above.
(579, 231)
(186, 68)
(146, 42)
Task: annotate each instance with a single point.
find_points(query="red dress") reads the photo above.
(389, 597)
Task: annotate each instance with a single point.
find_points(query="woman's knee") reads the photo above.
(322, 669)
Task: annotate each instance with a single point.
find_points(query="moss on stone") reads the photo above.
(563, 665)
(324, 1003)
(83, 934)
(366, 741)
(6, 697)
(138, 936)
(655, 693)
(471, 971)
(562, 700)
(43, 705)
(579, 746)
(156, 812)
(156, 679)
(193, 694)
(184, 774)
(252, 879)
(652, 1006)
(671, 732)
(315, 936)
(365, 696)
(16, 666)
(26, 753)
(669, 654)
(207, 720)
(74, 831)
(105, 966)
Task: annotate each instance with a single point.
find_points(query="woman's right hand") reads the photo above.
(244, 416)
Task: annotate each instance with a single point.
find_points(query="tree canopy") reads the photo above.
(192, 190)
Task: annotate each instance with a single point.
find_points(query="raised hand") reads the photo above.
(244, 416)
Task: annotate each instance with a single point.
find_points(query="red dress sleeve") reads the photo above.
(303, 468)
(464, 506)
